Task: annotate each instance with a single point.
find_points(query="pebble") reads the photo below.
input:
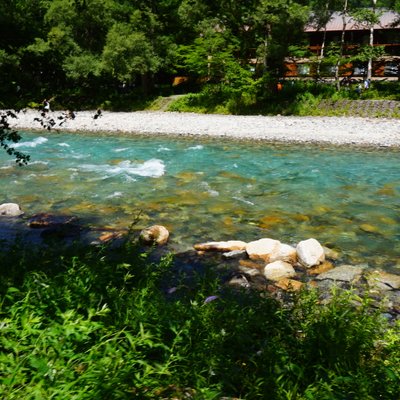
(334, 130)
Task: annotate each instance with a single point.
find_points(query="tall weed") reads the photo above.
(102, 323)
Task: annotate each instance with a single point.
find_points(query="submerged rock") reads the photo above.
(330, 253)
(44, 220)
(10, 210)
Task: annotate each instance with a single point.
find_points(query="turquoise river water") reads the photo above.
(214, 189)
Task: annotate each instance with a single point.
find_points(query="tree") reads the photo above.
(8, 136)
(368, 18)
(279, 24)
(129, 53)
(322, 12)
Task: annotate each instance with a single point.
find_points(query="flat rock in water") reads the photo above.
(385, 278)
(230, 245)
(343, 273)
(44, 220)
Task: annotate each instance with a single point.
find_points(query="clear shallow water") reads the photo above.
(204, 190)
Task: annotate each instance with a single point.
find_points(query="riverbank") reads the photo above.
(333, 130)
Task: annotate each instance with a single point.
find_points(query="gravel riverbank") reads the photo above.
(334, 130)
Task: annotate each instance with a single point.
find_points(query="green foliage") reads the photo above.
(9, 136)
(82, 51)
(127, 54)
(101, 323)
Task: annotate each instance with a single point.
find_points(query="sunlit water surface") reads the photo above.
(216, 189)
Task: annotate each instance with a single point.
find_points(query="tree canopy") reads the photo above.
(85, 46)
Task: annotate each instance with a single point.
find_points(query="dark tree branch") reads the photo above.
(7, 136)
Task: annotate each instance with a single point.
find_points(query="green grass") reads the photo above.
(80, 323)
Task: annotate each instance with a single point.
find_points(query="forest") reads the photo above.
(116, 53)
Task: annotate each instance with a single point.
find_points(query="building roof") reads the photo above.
(388, 20)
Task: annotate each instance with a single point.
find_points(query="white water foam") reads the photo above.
(153, 168)
(161, 149)
(211, 192)
(120, 150)
(198, 147)
(243, 201)
(38, 163)
(114, 195)
(33, 143)
(64, 145)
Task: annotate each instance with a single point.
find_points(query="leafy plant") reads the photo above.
(110, 323)
(8, 135)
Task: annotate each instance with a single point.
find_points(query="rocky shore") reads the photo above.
(329, 130)
(266, 265)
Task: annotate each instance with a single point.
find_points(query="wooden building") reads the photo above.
(386, 33)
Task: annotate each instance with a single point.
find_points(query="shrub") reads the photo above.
(102, 323)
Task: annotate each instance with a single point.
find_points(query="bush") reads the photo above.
(100, 323)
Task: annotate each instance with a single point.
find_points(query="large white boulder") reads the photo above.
(310, 253)
(10, 210)
(284, 253)
(262, 249)
(278, 270)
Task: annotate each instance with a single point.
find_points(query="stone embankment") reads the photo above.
(361, 108)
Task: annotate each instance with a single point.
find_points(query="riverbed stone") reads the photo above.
(278, 270)
(285, 253)
(234, 254)
(369, 228)
(289, 285)
(343, 273)
(155, 234)
(384, 280)
(262, 249)
(227, 246)
(256, 264)
(239, 281)
(45, 220)
(330, 253)
(10, 210)
(321, 268)
(310, 253)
